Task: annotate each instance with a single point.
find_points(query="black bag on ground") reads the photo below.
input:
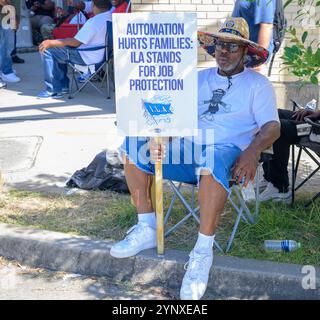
(104, 172)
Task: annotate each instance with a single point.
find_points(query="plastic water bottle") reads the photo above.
(248, 192)
(311, 105)
(281, 245)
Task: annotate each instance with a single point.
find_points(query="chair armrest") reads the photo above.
(91, 49)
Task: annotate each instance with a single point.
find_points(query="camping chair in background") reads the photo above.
(236, 200)
(102, 71)
(312, 149)
(128, 10)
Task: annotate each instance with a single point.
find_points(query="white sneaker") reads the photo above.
(140, 237)
(262, 183)
(271, 192)
(10, 77)
(194, 283)
(2, 84)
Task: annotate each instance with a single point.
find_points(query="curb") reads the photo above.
(229, 277)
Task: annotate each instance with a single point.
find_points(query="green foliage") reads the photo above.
(300, 59)
(106, 215)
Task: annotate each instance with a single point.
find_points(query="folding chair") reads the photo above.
(236, 200)
(128, 7)
(312, 149)
(104, 65)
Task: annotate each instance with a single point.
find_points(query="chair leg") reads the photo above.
(294, 173)
(244, 206)
(182, 221)
(108, 81)
(216, 244)
(191, 211)
(185, 203)
(312, 200)
(174, 197)
(313, 172)
(234, 230)
(71, 84)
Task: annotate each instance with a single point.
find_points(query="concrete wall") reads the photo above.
(210, 14)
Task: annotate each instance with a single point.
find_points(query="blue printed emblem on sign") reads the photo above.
(157, 110)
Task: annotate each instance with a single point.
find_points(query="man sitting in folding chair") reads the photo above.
(276, 170)
(56, 54)
(234, 103)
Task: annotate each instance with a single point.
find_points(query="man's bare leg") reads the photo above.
(139, 184)
(212, 198)
(143, 235)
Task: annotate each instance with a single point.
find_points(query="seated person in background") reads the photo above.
(43, 15)
(234, 104)
(120, 6)
(83, 11)
(56, 53)
(276, 170)
(7, 35)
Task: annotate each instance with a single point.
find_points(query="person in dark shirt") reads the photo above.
(43, 14)
(276, 170)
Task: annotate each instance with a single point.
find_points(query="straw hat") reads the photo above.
(235, 29)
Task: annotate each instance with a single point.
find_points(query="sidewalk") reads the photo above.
(43, 142)
(46, 141)
(19, 282)
(230, 278)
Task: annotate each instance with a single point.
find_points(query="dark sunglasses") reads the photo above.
(230, 46)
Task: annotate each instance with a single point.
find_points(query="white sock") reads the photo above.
(204, 243)
(149, 218)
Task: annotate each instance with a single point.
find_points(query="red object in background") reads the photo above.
(65, 30)
(122, 8)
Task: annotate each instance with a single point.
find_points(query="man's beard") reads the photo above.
(231, 67)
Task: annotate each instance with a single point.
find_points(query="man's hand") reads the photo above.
(246, 166)
(44, 45)
(314, 116)
(247, 163)
(157, 152)
(301, 113)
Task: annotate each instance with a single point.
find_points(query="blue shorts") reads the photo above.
(184, 160)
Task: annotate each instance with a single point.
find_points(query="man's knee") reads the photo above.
(48, 53)
(209, 182)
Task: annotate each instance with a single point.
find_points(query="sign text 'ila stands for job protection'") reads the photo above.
(155, 58)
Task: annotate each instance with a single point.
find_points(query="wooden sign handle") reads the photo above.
(159, 201)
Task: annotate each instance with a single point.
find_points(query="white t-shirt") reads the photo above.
(93, 34)
(237, 113)
(78, 18)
